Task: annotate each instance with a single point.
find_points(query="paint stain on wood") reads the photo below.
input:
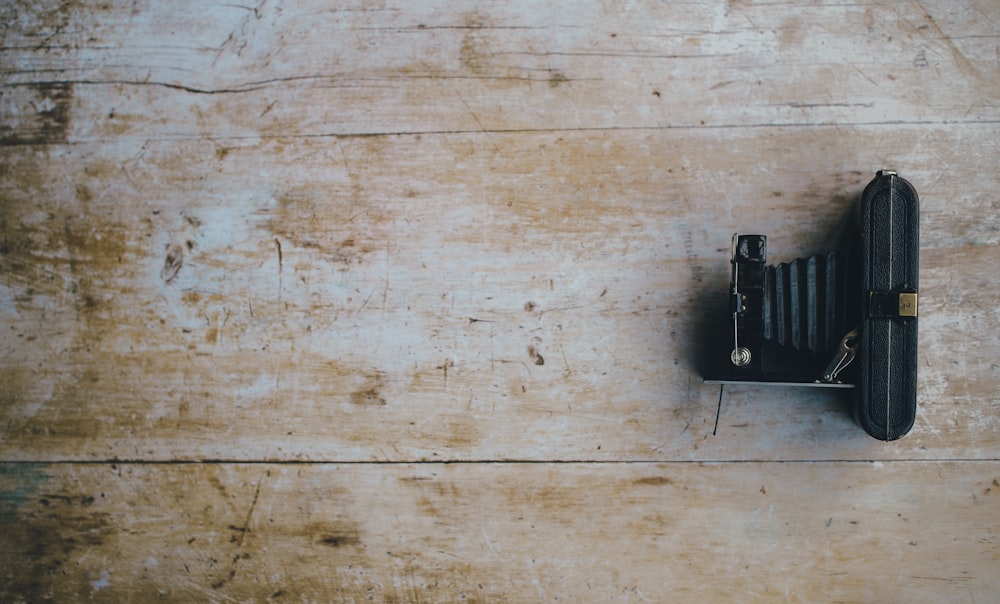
(340, 539)
(473, 54)
(334, 533)
(43, 531)
(654, 481)
(42, 116)
(52, 250)
(371, 393)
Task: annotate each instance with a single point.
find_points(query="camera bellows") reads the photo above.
(804, 306)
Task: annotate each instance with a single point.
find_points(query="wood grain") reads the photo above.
(898, 531)
(147, 71)
(410, 302)
(300, 299)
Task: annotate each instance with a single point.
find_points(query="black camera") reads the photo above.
(844, 319)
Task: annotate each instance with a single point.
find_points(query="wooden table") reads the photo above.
(403, 302)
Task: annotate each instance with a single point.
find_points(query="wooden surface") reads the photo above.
(405, 302)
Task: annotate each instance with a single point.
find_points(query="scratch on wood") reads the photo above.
(565, 361)
(444, 367)
(718, 410)
(960, 59)
(281, 264)
(479, 123)
(253, 505)
(367, 299)
(242, 530)
(864, 75)
(385, 290)
(268, 108)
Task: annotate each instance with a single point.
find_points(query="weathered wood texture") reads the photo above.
(894, 532)
(319, 312)
(156, 70)
(304, 237)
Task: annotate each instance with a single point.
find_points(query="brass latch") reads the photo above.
(891, 305)
(908, 304)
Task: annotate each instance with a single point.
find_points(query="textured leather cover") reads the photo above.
(887, 385)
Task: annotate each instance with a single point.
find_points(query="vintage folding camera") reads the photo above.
(844, 319)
